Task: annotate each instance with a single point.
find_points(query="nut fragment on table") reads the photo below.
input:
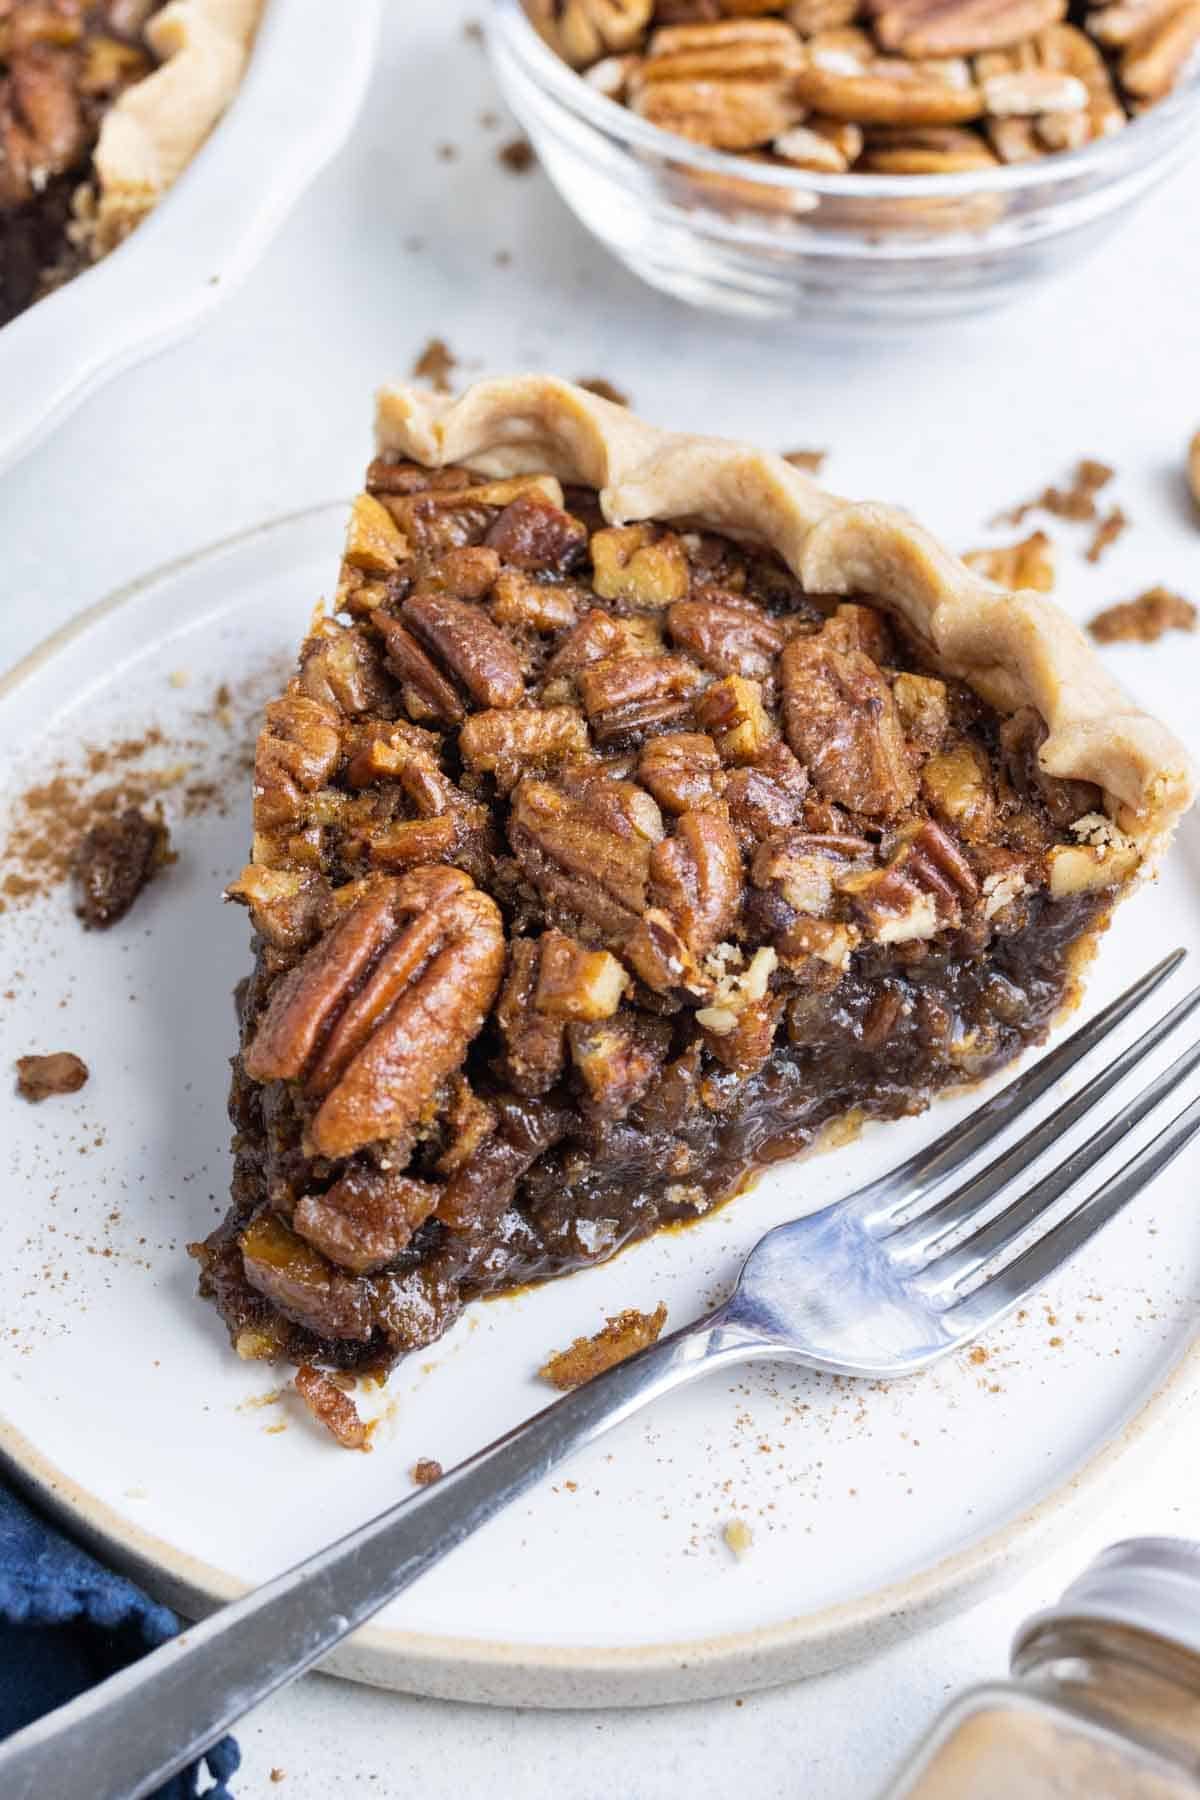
(1145, 619)
(806, 84)
(620, 1337)
(1194, 467)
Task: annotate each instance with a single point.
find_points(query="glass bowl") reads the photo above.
(879, 250)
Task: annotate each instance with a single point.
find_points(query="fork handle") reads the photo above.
(126, 1737)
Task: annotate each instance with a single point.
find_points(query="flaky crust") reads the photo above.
(155, 128)
(1015, 649)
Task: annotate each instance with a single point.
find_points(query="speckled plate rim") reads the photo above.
(558, 1676)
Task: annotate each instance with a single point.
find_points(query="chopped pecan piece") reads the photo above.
(921, 889)
(725, 633)
(597, 637)
(733, 711)
(341, 669)
(622, 1337)
(374, 542)
(405, 842)
(766, 797)
(444, 517)
(532, 533)
(627, 696)
(696, 877)
(957, 783)
(641, 564)
(582, 30)
(288, 906)
(924, 711)
(864, 628)
(841, 721)
(803, 867)
(332, 1408)
(383, 1007)
(544, 606)
(1101, 859)
(534, 1044)
(297, 753)
(576, 983)
(59, 1072)
(682, 770)
(366, 1218)
(740, 1020)
(617, 1061)
(1143, 621)
(305, 1286)
(589, 857)
(519, 740)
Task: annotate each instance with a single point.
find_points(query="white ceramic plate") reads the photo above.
(300, 96)
(121, 1402)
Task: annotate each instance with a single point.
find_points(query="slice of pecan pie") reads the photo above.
(102, 104)
(642, 811)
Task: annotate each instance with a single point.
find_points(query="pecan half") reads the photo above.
(544, 606)
(342, 669)
(297, 751)
(959, 27)
(468, 646)
(766, 797)
(383, 1007)
(727, 634)
(841, 721)
(696, 877)
(728, 84)
(589, 856)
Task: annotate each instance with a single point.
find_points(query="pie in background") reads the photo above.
(642, 814)
(103, 103)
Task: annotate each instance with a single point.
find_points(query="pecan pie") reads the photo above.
(642, 812)
(102, 104)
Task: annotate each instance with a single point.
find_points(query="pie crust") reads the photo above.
(155, 128)
(1014, 649)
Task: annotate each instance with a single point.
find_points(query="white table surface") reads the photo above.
(268, 409)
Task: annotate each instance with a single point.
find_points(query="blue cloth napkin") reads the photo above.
(66, 1622)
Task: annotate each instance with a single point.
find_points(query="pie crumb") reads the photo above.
(436, 365)
(61, 1072)
(1106, 534)
(603, 389)
(811, 461)
(1076, 502)
(518, 156)
(426, 1470)
(1194, 467)
(278, 1775)
(738, 1536)
(622, 1336)
(332, 1408)
(1144, 620)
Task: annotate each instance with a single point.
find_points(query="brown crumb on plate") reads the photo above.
(332, 1408)
(622, 1336)
(518, 156)
(1106, 534)
(115, 860)
(278, 1775)
(738, 1536)
(1027, 564)
(436, 365)
(426, 1470)
(811, 461)
(61, 1072)
(603, 389)
(1194, 467)
(1078, 501)
(473, 31)
(1144, 620)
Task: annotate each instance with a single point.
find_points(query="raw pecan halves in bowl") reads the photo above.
(601, 858)
(882, 159)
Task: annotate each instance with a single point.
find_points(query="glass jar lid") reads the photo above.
(1149, 1584)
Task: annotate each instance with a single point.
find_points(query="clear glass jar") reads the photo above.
(1104, 1700)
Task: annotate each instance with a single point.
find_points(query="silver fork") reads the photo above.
(880, 1284)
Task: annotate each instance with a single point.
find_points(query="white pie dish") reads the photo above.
(299, 97)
